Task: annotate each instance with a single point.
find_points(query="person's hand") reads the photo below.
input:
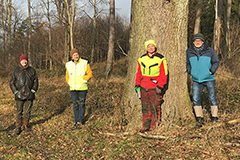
(16, 92)
(33, 91)
(158, 91)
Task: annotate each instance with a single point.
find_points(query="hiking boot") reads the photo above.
(18, 131)
(199, 122)
(26, 126)
(143, 130)
(77, 125)
(214, 119)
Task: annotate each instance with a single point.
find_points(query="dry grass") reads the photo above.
(52, 119)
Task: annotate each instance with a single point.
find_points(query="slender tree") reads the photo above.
(228, 15)
(198, 17)
(217, 27)
(111, 38)
(9, 16)
(166, 23)
(29, 33)
(3, 27)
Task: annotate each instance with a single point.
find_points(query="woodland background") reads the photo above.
(47, 34)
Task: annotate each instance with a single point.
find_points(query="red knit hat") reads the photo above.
(22, 57)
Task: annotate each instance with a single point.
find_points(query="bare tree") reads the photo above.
(166, 23)
(198, 17)
(9, 15)
(70, 19)
(111, 38)
(228, 15)
(29, 33)
(3, 27)
(217, 27)
(49, 51)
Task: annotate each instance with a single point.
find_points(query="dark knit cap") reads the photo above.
(22, 57)
(198, 36)
(74, 50)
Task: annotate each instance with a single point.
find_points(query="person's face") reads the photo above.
(23, 62)
(151, 48)
(198, 43)
(75, 57)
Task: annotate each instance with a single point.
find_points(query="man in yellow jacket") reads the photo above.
(78, 73)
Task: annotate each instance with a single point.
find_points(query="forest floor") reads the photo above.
(52, 119)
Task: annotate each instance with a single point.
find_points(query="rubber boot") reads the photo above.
(146, 123)
(199, 122)
(18, 125)
(26, 126)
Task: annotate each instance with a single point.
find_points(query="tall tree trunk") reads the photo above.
(48, 56)
(228, 17)
(71, 17)
(29, 33)
(111, 38)
(166, 23)
(217, 27)
(9, 15)
(3, 27)
(198, 17)
(94, 30)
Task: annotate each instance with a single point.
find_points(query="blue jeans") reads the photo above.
(78, 99)
(197, 89)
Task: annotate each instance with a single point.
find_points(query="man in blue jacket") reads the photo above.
(202, 63)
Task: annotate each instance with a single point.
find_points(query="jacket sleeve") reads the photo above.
(214, 62)
(67, 76)
(88, 73)
(12, 82)
(188, 65)
(162, 78)
(35, 81)
(138, 75)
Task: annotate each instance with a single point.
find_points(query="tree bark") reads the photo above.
(228, 17)
(9, 16)
(3, 27)
(29, 33)
(49, 57)
(111, 38)
(198, 17)
(166, 23)
(217, 27)
(94, 31)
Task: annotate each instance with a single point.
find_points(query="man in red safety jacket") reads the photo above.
(151, 77)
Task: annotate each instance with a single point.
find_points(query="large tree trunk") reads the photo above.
(166, 23)
(111, 38)
(198, 17)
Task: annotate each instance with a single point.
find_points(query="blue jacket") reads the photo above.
(200, 64)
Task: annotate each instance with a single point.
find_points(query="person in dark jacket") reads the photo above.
(201, 64)
(24, 85)
(151, 77)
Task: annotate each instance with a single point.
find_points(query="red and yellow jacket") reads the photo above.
(77, 74)
(152, 72)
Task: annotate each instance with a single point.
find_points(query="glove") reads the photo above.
(158, 90)
(16, 92)
(33, 91)
(137, 88)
